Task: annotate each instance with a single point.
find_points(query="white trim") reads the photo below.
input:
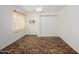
(39, 33)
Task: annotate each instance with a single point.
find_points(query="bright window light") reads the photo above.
(18, 22)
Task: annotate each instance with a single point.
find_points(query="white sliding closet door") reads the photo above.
(48, 25)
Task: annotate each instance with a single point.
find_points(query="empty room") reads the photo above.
(39, 29)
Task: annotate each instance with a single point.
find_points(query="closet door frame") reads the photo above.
(39, 33)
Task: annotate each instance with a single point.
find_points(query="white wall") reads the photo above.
(69, 26)
(33, 29)
(7, 36)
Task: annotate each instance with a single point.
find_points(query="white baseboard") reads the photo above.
(69, 44)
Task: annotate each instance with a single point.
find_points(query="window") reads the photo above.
(18, 21)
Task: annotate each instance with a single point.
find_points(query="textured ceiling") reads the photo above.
(46, 8)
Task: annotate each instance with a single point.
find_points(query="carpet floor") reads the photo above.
(38, 45)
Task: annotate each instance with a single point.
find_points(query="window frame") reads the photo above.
(19, 29)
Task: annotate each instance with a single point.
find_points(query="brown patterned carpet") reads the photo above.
(38, 45)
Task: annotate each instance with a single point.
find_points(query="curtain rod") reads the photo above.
(19, 12)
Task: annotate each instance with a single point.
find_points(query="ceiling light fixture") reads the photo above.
(39, 9)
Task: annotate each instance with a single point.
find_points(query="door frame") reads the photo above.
(39, 30)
